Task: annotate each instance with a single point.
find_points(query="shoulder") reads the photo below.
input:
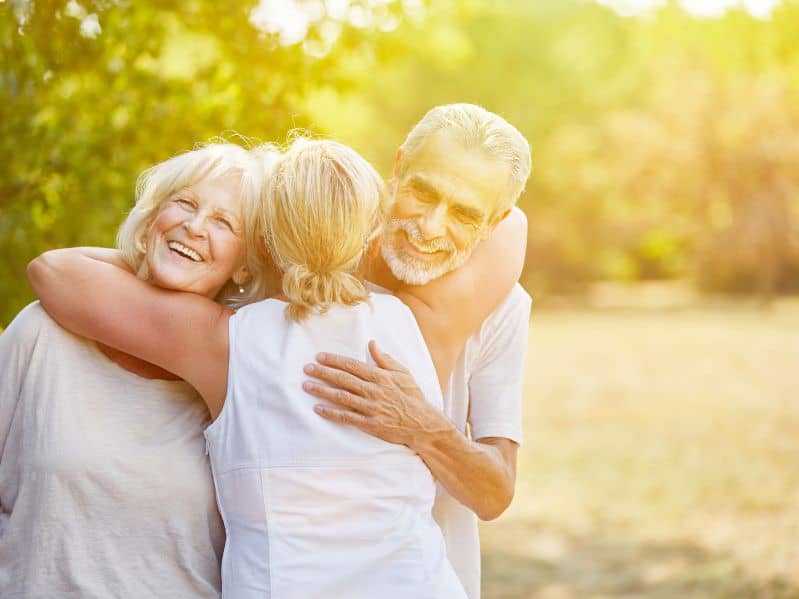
(257, 311)
(506, 327)
(387, 302)
(29, 323)
(393, 312)
(25, 336)
(378, 294)
(518, 300)
(392, 316)
(517, 305)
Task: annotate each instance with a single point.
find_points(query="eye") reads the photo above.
(225, 222)
(467, 219)
(184, 201)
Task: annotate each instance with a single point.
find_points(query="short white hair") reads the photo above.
(475, 126)
(208, 161)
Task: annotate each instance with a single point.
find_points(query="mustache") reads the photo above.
(414, 233)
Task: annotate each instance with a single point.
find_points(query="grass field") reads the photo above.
(661, 457)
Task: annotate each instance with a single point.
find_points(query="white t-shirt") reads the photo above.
(485, 392)
(315, 510)
(105, 489)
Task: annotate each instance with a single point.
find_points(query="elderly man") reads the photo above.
(458, 174)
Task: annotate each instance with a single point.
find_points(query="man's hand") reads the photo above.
(383, 401)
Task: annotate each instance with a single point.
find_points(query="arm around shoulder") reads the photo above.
(184, 333)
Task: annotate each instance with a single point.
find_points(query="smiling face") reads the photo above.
(444, 203)
(195, 241)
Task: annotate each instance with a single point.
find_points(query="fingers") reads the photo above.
(385, 361)
(337, 396)
(337, 378)
(362, 370)
(342, 416)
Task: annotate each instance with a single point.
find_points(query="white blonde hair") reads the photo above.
(209, 161)
(474, 126)
(322, 209)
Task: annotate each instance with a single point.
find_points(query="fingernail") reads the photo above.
(308, 369)
(308, 386)
(321, 357)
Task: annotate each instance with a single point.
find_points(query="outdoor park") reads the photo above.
(662, 378)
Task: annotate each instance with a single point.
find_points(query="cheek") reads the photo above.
(406, 206)
(229, 249)
(461, 237)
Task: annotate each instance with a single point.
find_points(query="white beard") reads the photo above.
(408, 268)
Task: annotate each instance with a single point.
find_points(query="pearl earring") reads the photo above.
(241, 289)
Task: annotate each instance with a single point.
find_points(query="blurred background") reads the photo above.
(663, 367)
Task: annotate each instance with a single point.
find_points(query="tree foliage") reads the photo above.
(663, 146)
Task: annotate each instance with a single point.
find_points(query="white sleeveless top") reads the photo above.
(313, 509)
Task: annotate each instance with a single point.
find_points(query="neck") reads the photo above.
(377, 271)
(135, 365)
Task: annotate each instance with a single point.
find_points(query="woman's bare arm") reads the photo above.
(86, 291)
(451, 308)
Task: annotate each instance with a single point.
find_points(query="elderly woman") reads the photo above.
(105, 489)
(312, 510)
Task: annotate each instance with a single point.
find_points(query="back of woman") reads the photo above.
(314, 510)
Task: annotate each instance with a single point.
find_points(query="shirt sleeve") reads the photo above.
(495, 386)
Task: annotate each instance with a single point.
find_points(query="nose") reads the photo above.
(195, 224)
(433, 223)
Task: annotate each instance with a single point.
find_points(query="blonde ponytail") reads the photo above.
(313, 292)
(322, 207)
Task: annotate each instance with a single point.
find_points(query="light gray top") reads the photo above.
(105, 488)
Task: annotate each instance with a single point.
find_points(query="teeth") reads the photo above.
(424, 250)
(184, 251)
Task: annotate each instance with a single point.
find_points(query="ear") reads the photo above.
(493, 222)
(397, 162)
(241, 276)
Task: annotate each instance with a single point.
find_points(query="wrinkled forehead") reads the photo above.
(454, 172)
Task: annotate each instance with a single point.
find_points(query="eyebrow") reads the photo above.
(423, 185)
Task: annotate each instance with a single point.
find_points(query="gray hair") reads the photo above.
(475, 126)
(208, 161)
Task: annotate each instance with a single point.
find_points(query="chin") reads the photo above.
(414, 272)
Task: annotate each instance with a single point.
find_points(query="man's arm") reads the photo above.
(86, 292)
(385, 401)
